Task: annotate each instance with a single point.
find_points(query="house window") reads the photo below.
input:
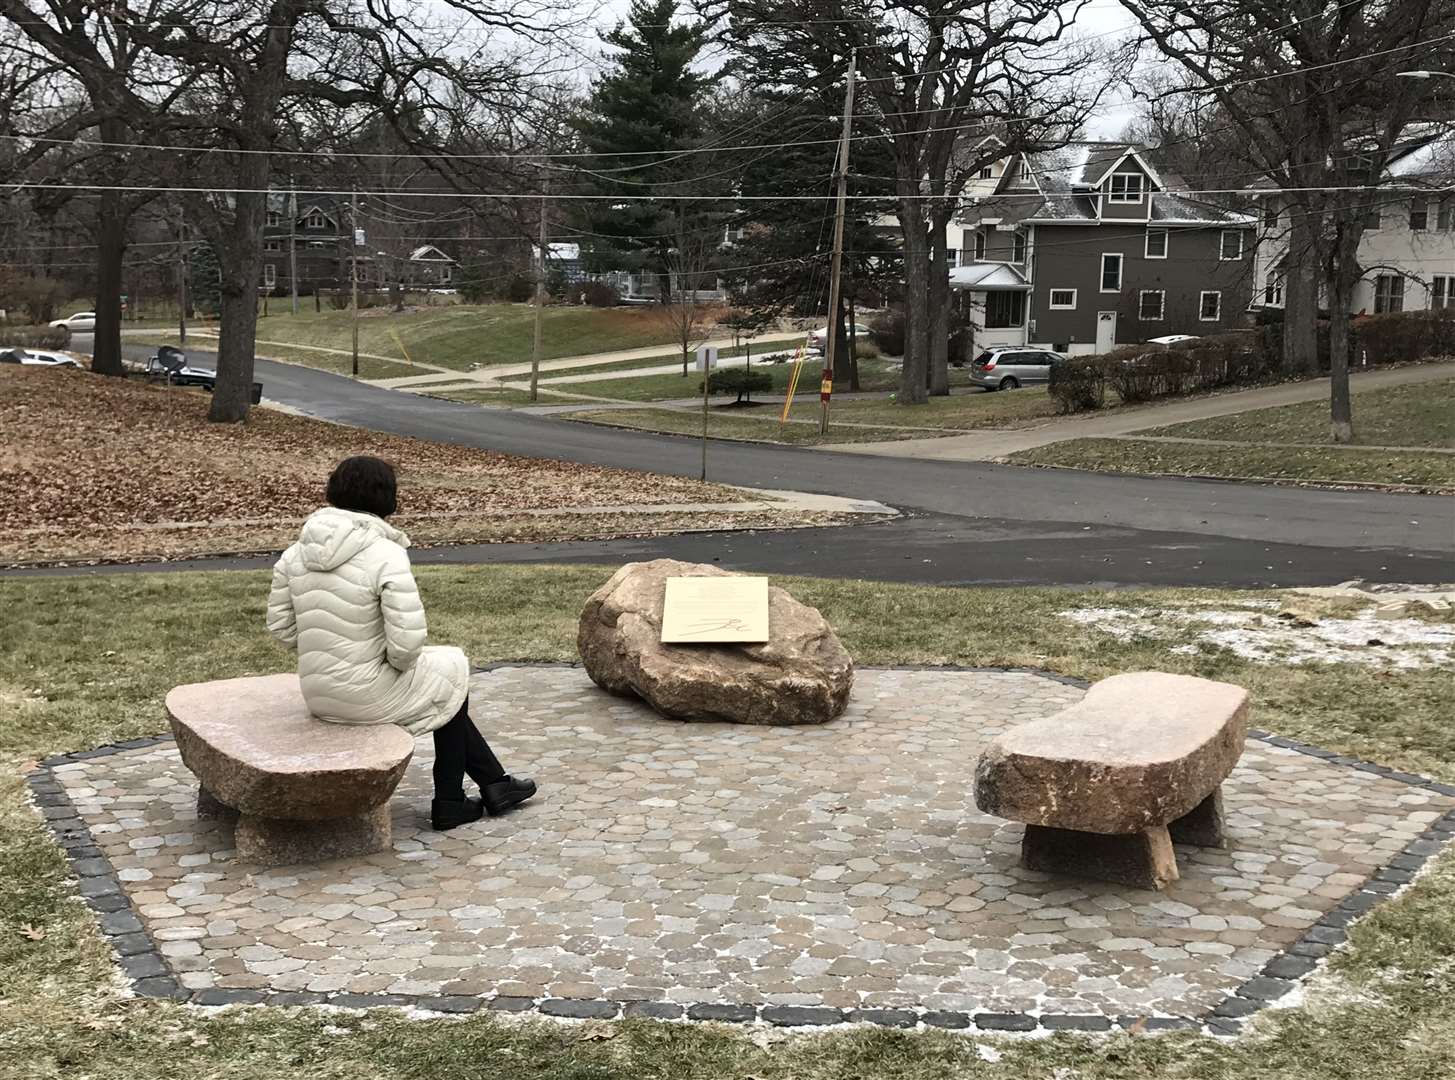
(1210, 306)
(1231, 246)
(979, 245)
(272, 245)
(1004, 310)
(1442, 292)
(1125, 188)
(1371, 219)
(1273, 289)
(1156, 244)
(952, 256)
(1150, 305)
(274, 219)
(315, 220)
(1446, 219)
(1111, 273)
(1388, 293)
(270, 275)
(986, 173)
(1018, 247)
(1419, 215)
(1063, 299)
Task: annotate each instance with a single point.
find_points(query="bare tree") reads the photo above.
(1314, 92)
(689, 265)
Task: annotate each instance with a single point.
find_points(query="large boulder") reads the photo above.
(802, 675)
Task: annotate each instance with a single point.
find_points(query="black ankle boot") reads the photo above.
(507, 792)
(448, 813)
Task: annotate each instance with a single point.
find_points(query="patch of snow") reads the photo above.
(1363, 638)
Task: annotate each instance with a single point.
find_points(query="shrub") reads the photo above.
(1078, 385)
(338, 300)
(35, 337)
(887, 331)
(518, 288)
(865, 349)
(1404, 336)
(740, 380)
(558, 285)
(600, 294)
(36, 295)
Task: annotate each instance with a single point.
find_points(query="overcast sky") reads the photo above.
(1104, 18)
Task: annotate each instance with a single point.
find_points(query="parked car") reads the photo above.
(171, 363)
(37, 358)
(818, 341)
(1171, 339)
(81, 320)
(1008, 368)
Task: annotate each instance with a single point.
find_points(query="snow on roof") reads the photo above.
(428, 253)
(1430, 154)
(988, 277)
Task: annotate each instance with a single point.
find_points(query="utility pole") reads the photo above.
(293, 244)
(181, 281)
(354, 272)
(535, 352)
(827, 386)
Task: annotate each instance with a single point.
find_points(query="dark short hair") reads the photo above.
(365, 484)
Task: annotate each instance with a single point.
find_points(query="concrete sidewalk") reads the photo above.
(990, 444)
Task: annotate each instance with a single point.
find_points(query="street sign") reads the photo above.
(706, 357)
(358, 238)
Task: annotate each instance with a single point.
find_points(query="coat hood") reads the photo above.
(331, 537)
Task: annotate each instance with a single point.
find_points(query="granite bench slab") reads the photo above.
(303, 790)
(1106, 786)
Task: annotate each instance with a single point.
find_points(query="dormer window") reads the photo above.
(274, 219)
(1125, 188)
(986, 173)
(315, 219)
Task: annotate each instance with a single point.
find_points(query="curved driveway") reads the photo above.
(967, 522)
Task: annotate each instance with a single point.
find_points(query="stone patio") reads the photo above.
(787, 874)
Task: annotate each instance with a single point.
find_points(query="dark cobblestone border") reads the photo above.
(150, 976)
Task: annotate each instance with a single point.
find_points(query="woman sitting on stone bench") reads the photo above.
(345, 598)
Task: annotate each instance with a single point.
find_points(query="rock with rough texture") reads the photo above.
(1139, 750)
(304, 790)
(802, 675)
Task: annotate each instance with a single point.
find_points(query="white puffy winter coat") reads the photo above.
(345, 598)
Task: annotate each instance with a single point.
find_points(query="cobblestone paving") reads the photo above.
(843, 866)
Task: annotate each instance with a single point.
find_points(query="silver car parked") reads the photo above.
(1008, 368)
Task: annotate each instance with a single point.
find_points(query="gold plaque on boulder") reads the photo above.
(715, 611)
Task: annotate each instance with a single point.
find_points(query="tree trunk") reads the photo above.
(1343, 274)
(914, 375)
(1301, 295)
(110, 254)
(939, 306)
(240, 257)
(843, 346)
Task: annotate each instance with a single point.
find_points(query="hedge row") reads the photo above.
(35, 337)
(1141, 373)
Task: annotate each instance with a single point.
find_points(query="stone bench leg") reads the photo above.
(211, 808)
(1202, 826)
(283, 842)
(1144, 860)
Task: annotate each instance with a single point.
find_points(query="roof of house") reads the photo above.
(429, 253)
(1067, 177)
(988, 277)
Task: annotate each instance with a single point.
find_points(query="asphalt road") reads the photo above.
(967, 522)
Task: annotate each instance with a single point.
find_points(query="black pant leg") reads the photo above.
(451, 750)
(480, 761)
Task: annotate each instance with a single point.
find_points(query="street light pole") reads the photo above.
(535, 352)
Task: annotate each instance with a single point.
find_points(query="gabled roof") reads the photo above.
(1130, 152)
(429, 253)
(988, 277)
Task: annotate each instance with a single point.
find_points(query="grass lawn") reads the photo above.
(95, 467)
(370, 367)
(86, 661)
(1310, 464)
(1417, 415)
(505, 397)
(959, 412)
(461, 335)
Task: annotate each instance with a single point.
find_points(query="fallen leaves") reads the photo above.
(91, 465)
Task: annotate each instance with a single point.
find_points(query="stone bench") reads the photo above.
(302, 790)
(1106, 786)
